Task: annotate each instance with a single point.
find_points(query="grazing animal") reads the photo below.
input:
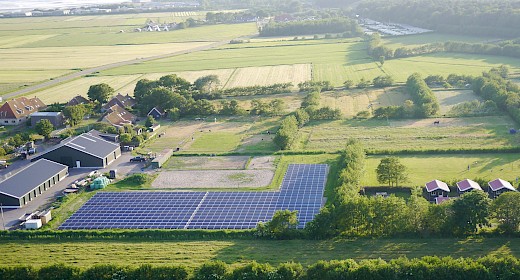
(436, 122)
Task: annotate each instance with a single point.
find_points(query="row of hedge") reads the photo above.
(423, 97)
(257, 90)
(425, 268)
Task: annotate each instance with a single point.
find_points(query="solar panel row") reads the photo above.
(301, 190)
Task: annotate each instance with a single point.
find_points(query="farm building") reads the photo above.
(499, 186)
(118, 116)
(17, 111)
(77, 100)
(84, 151)
(437, 189)
(156, 113)
(467, 186)
(56, 118)
(125, 101)
(17, 190)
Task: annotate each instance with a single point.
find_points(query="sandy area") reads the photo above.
(213, 179)
(265, 162)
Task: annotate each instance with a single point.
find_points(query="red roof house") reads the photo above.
(17, 111)
(118, 116)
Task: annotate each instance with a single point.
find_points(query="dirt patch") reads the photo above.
(207, 163)
(213, 179)
(265, 162)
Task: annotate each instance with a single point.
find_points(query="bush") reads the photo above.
(138, 179)
(217, 270)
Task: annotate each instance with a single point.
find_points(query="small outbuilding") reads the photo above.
(436, 189)
(499, 186)
(56, 118)
(467, 186)
(30, 182)
(84, 151)
(157, 113)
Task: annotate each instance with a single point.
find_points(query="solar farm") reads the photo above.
(301, 190)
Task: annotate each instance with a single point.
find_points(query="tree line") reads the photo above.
(423, 103)
(352, 214)
(483, 18)
(310, 109)
(425, 268)
(345, 26)
(493, 86)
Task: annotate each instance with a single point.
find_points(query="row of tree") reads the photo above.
(345, 26)
(353, 214)
(504, 93)
(423, 97)
(424, 268)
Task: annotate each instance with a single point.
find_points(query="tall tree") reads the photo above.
(506, 209)
(207, 84)
(470, 212)
(391, 171)
(44, 127)
(100, 93)
(74, 114)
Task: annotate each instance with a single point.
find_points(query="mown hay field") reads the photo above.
(268, 75)
(331, 62)
(452, 133)
(449, 98)
(424, 168)
(64, 92)
(354, 101)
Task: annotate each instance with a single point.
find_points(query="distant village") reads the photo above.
(136, 6)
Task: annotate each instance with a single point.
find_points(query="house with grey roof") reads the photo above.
(56, 118)
(30, 182)
(84, 151)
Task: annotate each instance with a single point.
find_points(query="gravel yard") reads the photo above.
(207, 163)
(213, 179)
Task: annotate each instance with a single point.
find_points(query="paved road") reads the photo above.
(85, 72)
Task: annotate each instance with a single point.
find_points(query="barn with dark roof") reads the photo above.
(30, 182)
(84, 151)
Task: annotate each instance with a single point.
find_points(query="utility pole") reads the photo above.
(2, 210)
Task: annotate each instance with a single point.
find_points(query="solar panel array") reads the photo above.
(301, 190)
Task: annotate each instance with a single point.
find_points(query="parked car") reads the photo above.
(31, 151)
(137, 159)
(3, 164)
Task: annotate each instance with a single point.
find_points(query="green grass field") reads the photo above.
(479, 132)
(84, 253)
(428, 38)
(424, 168)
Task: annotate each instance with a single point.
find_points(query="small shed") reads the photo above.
(498, 187)
(436, 189)
(33, 224)
(100, 183)
(467, 186)
(56, 118)
(157, 113)
(162, 158)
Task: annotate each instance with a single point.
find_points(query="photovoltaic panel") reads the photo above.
(301, 190)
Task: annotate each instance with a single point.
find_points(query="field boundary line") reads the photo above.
(230, 77)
